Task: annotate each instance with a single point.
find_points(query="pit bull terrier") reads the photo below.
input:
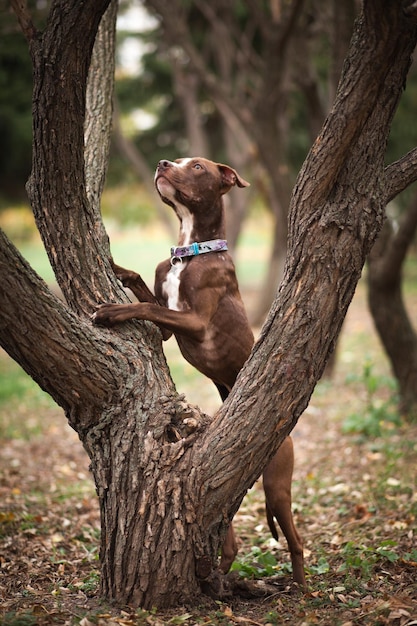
(197, 299)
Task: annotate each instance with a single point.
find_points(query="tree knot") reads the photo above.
(180, 419)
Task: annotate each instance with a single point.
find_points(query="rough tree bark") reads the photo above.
(168, 477)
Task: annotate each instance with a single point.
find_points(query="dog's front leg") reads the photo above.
(139, 288)
(186, 323)
(135, 283)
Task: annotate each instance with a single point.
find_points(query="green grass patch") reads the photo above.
(17, 385)
(379, 411)
(22, 402)
(35, 254)
(258, 563)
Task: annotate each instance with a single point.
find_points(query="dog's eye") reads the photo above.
(197, 166)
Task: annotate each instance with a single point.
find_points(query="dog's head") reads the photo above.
(195, 182)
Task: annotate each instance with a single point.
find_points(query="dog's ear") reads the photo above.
(230, 177)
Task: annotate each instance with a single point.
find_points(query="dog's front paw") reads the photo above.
(106, 315)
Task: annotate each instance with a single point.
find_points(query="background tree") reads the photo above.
(386, 264)
(225, 50)
(15, 111)
(169, 83)
(386, 303)
(168, 486)
(265, 67)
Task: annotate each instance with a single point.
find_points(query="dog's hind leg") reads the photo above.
(277, 478)
(229, 550)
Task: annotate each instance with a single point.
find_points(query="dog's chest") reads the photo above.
(171, 287)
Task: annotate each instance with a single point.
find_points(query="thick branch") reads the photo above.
(65, 218)
(63, 352)
(98, 116)
(400, 174)
(30, 315)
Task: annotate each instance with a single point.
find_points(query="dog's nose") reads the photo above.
(164, 164)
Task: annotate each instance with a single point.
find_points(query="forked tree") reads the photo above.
(168, 485)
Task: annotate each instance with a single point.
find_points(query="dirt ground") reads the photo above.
(354, 497)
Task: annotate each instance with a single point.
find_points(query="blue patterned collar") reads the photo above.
(215, 245)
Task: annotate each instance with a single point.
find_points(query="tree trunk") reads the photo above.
(142, 461)
(168, 477)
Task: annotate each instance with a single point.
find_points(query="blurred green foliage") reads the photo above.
(15, 115)
(16, 101)
(152, 91)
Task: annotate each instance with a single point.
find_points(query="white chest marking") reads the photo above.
(187, 223)
(171, 287)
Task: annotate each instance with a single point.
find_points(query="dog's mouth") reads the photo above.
(164, 187)
(170, 194)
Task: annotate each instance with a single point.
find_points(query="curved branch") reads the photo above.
(404, 237)
(236, 44)
(288, 28)
(177, 30)
(24, 18)
(400, 174)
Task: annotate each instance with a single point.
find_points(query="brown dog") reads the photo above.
(197, 298)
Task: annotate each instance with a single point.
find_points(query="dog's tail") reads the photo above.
(271, 522)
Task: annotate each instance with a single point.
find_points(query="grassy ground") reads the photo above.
(354, 492)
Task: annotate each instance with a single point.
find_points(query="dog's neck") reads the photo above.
(196, 228)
